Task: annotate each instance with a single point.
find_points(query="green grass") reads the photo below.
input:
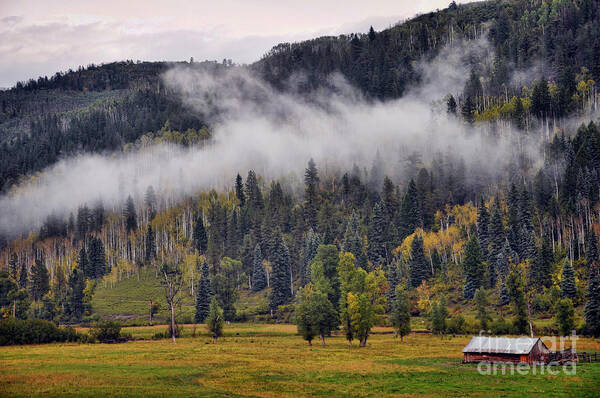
(260, 360)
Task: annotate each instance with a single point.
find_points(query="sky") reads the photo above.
(40, 37)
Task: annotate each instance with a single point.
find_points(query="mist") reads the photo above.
(275, 134)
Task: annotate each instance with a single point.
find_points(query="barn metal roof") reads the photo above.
(501, 345)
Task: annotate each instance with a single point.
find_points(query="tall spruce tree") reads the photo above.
(199, 236)
(483, 226)
(591, 249)
(312, 242)
(40, 280)
(539, 271)
(97, 258)
(259, 276)
(410, 216)
(130, 215)
(75, 295)
(311, 182)
(567, 283)
(150, 245)
(203, 295)
(84, 264)
(13, 267)
(281, 292)
(473, 267)
(239, 190)
(377, 235)
(23, 276)
(592, 306)
(352, 241)
(419, 268)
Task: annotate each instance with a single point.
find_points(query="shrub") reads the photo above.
(106, 331)
(34, 331)
(456, 325)
(500, 326)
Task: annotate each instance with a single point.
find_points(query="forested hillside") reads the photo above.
(353, 244)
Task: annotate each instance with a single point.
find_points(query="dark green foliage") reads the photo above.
(483, 226)
(473, 267)
(481, 302)
(75, 296)
(540, 99)
(378, 235)
(97, 259)
(328, 257)
(565, 316)
(259, 276)
(540, 267)
(203, 295)
(592, 306)
(419, 268)
(352, 239)
(497, 235)
(150, 245)
(34, 331)
(567, 283)
(410, 215)
(40, 280)
(215, 320)
(199, 236)
(84, 264)
(467, 110)
(400, 313)
(311, 205)
(281, 292)
(438, 316)
(106, 332)
(312, 242)
(23, 276)
(13, 267)
(591, 249)
(451, 105)
(225, 284)
(517, 294)
(239, 190)
(130, 215)
(6, 286)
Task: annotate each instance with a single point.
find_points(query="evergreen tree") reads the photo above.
(199, 236)
(592, 307)
(130, 215)
(419, 269)
(497, 235)
(438, 316)
(481, 302)
(451, 105)
(259, 276)
(539, 271)
(328, 257)
(565, 316)
(84, 264)
(467, 110)
(150, 202)
(23, 276)
(311, 182)
(504, 298)
(392, 278)
(410, 217)
(309, 251)
(13, 267)
(280, 276)
(567, 283)
(540, 99)
(150, 245)
(473, 267)
(215, 320)
(40, 281)
(483, 226)
(203, 295)
(97, 258)
(75, 295)
(352, 241)
(517, 294)
(377, 235)
(591, 253)
(400, 314)
(239, 190)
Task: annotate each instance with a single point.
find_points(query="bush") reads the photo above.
(34, 331)
(500, 326)
(106, 331)
(456, 325)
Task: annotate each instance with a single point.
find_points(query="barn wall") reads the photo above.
(491, 357)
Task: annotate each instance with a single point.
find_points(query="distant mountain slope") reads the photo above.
(104, 107)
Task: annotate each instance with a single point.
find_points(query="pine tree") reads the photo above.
(311, 182)
(540, 99)
(400, 314)
(410, 216)
(203, 295)
(377, 235)
(504, 297)
(130, 215)
(84, 264)
(280, 275)
(352, 241)
(259, 276)
(451, 105)
(75, 295)
(592, 307)
(215, 320)
(239, 190)
(467, 110)
(40, 281)
(419, 269)
(392, 278)
(517, 294)
(13, 267)
(438, 316)
(23, 276)
(150, 244)
(150, 202)
(565, 316)
(567, 283)
(473, 267)
(483, 226)
(309, 251)
(539, 271)
(97, 258)
(591, 253)
(497, 235)
(199, 236)
(481, 302)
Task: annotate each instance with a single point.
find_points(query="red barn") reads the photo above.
(506, 349)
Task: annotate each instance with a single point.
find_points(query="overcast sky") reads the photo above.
(40, 37)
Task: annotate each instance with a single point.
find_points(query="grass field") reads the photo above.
(259, 360)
